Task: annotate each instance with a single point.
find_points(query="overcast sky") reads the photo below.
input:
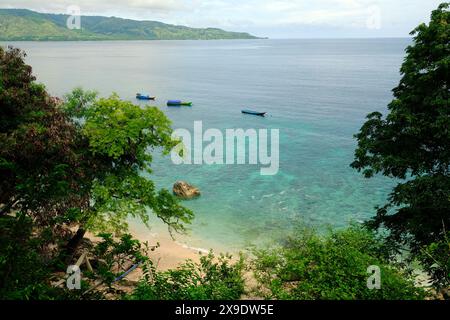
(271, 18)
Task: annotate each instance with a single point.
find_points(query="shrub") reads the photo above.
(25, 266)
(331, 267)
(211, 279)
(436, 261)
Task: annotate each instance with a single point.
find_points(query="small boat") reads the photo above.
(254, 113)
(178, 103)
(144, 97)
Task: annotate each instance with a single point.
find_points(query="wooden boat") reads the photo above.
(254, 113)
(178, 103)
(144, 97)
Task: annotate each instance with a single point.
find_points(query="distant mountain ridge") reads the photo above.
(27, 25)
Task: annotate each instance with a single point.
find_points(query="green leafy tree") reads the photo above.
(331, 267)
(37, 161)
(412, 143)
(116, 141)
(85, 162)
(39, 181)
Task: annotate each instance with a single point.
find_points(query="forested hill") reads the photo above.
(22, 24)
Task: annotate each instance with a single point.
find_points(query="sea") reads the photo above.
(317, 93)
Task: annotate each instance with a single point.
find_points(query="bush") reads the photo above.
(332, 267)
(211, 279)
(436, 261)
(25, 269)
(117, 256)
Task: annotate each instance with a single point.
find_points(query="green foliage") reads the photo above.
(37, 162)
(413, 142)
(18, 24)
(26, 262)
(436, 259)
(77, 102)
(211, 279)
(117, 256)
(332, 267)
(79, 163)
(117, 138)
(22, 272)
(117, 128)
(83, 160)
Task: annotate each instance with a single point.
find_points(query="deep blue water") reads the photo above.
(317, 92)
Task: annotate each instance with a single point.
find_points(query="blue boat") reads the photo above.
(178, 103)
(144, 97)
(254, 113)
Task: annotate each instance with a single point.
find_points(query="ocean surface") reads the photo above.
(316, 92)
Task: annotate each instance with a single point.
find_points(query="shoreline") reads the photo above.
(170, 253)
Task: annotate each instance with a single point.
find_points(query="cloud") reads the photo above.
(97, 6)
(396, 18)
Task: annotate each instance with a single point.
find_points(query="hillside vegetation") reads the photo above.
(26, 25)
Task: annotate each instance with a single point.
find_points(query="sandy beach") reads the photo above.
(170, 253)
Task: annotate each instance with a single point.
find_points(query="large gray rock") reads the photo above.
(184, 190)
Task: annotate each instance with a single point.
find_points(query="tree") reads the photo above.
(412, 143)
(38, 183)
(86, 161)
(116, 138)
(36, 145)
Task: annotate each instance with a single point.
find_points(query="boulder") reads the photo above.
(184, 190)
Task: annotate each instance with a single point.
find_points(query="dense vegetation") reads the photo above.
(331, 267)
(21, 24)
(75, 166)
(412, 144)
(211, 279)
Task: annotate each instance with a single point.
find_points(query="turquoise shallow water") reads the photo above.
(317, 92)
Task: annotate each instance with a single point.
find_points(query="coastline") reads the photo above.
(170, 253)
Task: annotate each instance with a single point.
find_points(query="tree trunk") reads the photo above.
(74, 243)
(7, 207)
